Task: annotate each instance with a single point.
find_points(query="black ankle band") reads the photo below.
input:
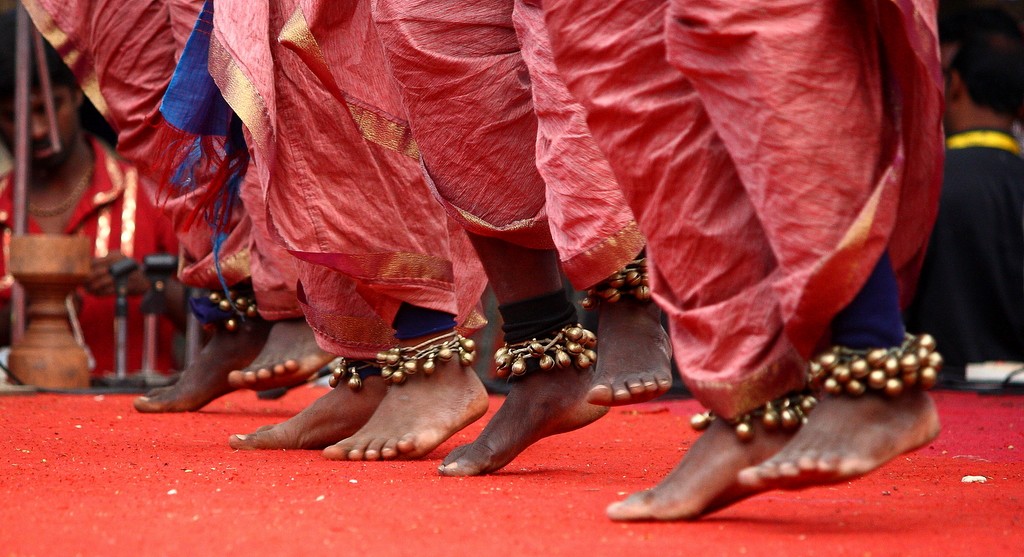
(535, 317)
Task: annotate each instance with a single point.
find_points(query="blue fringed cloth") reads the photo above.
(203, 150)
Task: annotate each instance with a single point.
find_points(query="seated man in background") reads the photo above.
(971, 293)
(84, 189)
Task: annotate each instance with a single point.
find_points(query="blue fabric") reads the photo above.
(193, 102)
(368, 370)
(208, 312)
(872, 319)
(413, 321)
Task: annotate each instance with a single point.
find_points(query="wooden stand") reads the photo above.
(49, 267)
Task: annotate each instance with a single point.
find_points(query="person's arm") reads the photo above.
(100, 283)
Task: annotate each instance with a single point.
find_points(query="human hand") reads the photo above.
(100, 283)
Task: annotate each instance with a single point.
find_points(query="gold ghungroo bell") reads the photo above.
(399, 363)
(631, 280)
(572, 345)
(351, 372)
(787, 413)
(240, 305)
(845, 371)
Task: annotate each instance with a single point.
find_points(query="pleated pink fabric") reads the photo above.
(771, 151)
(504, 144)
(337, 172)
(123, 54)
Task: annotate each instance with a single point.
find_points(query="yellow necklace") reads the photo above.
(984, 138)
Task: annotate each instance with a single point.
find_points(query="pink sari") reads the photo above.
(338, 174)
(123, 54)
(504, 145)
(771, 151)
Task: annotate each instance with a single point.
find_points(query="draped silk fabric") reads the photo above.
(123, 54)
(771, 151)
(504, 145)
(337, 171)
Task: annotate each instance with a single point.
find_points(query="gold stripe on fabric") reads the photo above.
(240, 93)
(366, 333)
(128, 211)
(72, 56)
(787, 372)
(604, 259)
(297, 37)
(515, 226)
(984, 138)
(234, 267)
(374, 125)
(103, 233)
(296, 32)
(473, 323)
(857, 234)
(383, 131)
(8, 280)
(416, 267)
(278, 304)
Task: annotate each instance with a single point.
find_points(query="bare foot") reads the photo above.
(847, 437)
(705, 480)
(634, 363)
(331, 418)
(540, 404)
(289, 357)
(415, 417)
(206, 379)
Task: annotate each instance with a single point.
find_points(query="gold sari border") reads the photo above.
(389, 267)
(378, 128)
(240, 93)
(606, 258)
(473, 322)
(73, 56)
(374, 125)
(203, 274)
(353, 337)
(276, 305)
(296, 35)
(785, 373)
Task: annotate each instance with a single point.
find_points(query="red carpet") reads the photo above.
(89, 476)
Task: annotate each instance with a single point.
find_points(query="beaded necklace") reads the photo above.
(63, 206)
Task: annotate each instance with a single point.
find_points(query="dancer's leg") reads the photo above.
(851, 434)
(592, 227)
(434, 391)
(543, 402)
